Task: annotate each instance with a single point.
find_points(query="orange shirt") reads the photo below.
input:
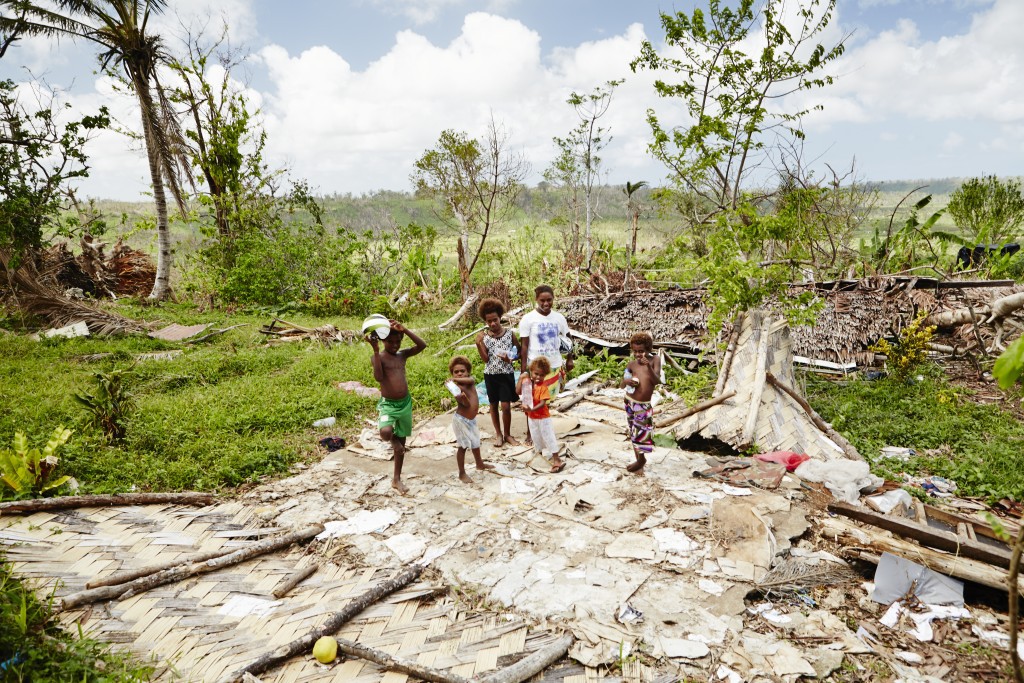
(540, 393)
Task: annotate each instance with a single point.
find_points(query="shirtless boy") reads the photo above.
(642, 374)
(395, 405)
(467, 433)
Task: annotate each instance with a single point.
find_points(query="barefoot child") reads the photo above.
(498, 347)
(539, 417)
(467, 433)
(395, 405)
(642, 374)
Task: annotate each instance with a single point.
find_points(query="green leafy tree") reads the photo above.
(477, 183)
(39, 158)
(729, 91)
(730, 81)
(120, 29)
(988, 210)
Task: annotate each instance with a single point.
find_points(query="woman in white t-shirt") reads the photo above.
(544, 332)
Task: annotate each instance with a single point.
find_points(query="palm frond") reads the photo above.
(37, 294)
(794, 575)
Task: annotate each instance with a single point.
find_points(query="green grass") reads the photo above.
(980, 447)
(225, 412)
(33, 648)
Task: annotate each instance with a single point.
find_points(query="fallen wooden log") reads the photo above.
(463, 310)
(710, 403)
(1005, 306)
(132, 574)
(859, 539)
(67, 502)
(142, 584)
(462, 338)
(329, 626)
(838, 439)
(528, 667)
(573, 400)
(399, 664)
(926, 534)
(295, 579)
(606, 402)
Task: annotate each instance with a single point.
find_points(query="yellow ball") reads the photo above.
(325, 650)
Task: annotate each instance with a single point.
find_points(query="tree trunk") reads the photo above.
(462, 247)
(67, 502)
(162, 283)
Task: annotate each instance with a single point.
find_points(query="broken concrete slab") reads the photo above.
(633, 546)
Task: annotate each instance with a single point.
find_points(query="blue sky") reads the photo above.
(353, 91)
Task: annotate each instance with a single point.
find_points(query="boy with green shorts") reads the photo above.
(395, 405)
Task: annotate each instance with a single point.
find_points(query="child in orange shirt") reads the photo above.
(539, 416)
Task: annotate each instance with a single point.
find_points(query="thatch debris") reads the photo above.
(855, 316)
(764, 409)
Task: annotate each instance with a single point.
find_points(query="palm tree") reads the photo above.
(634, 209)
(119, 27)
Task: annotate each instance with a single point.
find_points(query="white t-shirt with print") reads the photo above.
(544, 331)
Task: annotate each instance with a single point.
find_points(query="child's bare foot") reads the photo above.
(638, 465)
(499, 442)
(465, 478)
(397, 485)
(511, 441)
(484, 466)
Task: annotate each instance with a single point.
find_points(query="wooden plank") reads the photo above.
(847, 534)
(926, 535)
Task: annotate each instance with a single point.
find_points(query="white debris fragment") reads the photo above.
(910, 657)
(922, 620)
(709, 586)
(724, 673)
(736, 490)
(683, 648)
(407, 547)
(363, 522)
(672, 541)
(244, 605)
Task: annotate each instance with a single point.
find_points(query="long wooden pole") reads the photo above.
(330, 626)
(132, 574)
(67, 502)
(140, 585)
(700, 407)
(848, 449)
(730, 351)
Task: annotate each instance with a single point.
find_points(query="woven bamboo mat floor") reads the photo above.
(212, 624)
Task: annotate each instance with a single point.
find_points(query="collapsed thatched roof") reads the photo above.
(855, 315)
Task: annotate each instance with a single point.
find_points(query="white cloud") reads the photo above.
(977, 75)
(199, 16)
(362, 130)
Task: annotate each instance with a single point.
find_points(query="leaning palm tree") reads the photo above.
(119, 27)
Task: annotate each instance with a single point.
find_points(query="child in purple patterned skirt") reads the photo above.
(642, 375)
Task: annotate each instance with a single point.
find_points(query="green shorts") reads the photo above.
(397, 414)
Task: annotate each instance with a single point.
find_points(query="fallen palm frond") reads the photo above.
(37, 293)
(792, 575)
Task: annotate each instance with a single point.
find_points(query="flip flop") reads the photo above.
(555, 469)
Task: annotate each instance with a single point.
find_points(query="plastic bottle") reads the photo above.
(627, 375)
(325, 422)
(527, 396)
